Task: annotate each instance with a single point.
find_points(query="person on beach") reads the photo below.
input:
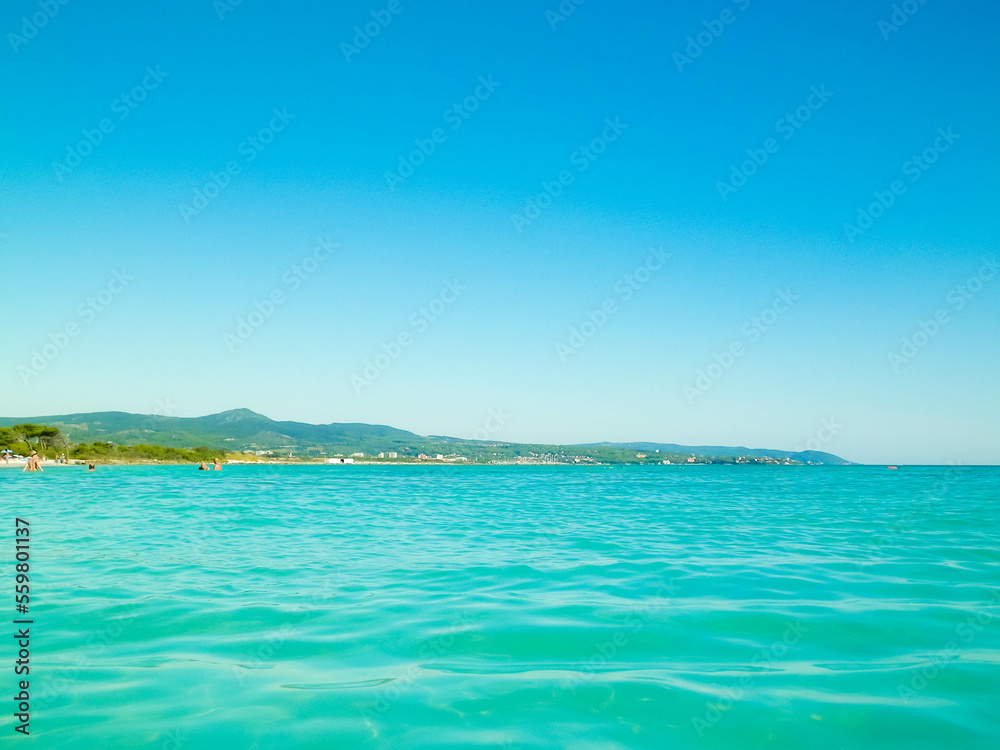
(34, 463)
(217, 466)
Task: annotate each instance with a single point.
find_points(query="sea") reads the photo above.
(584, 607)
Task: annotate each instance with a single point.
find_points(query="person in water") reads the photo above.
(202, 467)
(217, 466)
(34, 463)
(91, 467)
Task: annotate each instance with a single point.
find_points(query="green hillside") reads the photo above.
(242, 430)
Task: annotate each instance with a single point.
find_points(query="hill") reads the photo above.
(805, 457)
(241, 430)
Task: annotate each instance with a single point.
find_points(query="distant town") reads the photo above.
(243, 436)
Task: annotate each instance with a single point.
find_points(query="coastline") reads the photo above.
(83, 464)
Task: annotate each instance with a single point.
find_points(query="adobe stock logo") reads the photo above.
(563, 11)
(708, 376)
(455, 115)
(582, 159)
(494, 422)
(900, 15)
(31, 26)
(958, 297)
(915, 167)
(292, 279)
(363, 36)
(87, 311)
(714, 28)
(249, 149)
(786, 127)
(419, 321)
(123, 106)
(624, 288)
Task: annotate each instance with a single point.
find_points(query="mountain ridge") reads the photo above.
(805, 456)
(247, 430)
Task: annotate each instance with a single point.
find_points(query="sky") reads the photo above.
(723, 223)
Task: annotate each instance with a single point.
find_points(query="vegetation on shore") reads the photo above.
(111, 452)
(24, 438)
(249, 436)
(51, 443)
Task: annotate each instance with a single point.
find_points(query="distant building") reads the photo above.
(357, 455)
(439, 456)
(393, 454)
(340, 460)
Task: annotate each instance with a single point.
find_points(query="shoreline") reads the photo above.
(105, 464)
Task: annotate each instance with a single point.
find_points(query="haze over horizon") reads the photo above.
(378, 202)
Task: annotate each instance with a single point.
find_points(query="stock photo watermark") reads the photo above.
(224, 7)
(162, 409)
(906, 523)
(494, 423)
(264, 650)
(30, 26)
(752, 331)
(364, 34)
(714, 28)
(562, 12)
(55, 683)
(604, 652)
(827, 431)
(455, 116)
(915, 167)
(123, 106)
(390, 691)
(967, 631)
(764, 659)
(957, 298)
(249, 149)
(624, 288)
(419, 321)
(901, 13)
(87, 312)
(582, 159)
(292, 279)
(174, 739)
(786, 127)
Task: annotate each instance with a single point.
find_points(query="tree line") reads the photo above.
(24, 438)
(51, 443)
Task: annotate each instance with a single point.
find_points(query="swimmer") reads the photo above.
(34, 463)
(202, 467)
(217, 466)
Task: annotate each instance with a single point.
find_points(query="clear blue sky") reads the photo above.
(165, 341)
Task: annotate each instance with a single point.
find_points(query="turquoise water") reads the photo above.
(509, 607)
